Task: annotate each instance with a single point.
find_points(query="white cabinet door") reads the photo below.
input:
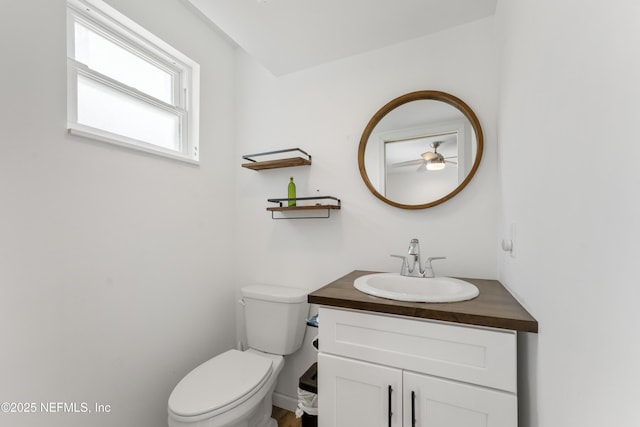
(353, 393)
(435, 402)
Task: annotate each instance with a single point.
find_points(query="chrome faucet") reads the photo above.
(413, 258)
(412, 263)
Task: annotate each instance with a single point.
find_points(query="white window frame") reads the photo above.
(108, 22)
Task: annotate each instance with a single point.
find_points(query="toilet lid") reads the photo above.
(230, 377)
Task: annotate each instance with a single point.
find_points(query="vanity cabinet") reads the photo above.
(393, 371)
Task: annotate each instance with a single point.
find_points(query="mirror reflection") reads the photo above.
(420, 149)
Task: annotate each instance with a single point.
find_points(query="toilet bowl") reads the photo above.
(227, 390)
(235, 388)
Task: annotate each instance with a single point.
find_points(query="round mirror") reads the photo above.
(420, 149)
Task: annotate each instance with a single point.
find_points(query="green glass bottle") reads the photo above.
(292, 192)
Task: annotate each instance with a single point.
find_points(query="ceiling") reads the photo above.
(290, 35)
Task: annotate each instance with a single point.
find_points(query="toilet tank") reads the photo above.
(275, 317)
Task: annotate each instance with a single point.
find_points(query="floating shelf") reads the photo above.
(278, 163)
(321, 206)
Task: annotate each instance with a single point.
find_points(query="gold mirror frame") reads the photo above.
(417, 96)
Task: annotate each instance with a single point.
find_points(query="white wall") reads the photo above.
(569, 177)
(113, 264)
(324, 110)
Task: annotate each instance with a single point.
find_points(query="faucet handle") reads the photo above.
(404, 270)
(428, 270)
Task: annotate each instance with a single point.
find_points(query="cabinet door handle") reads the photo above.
(413, 409)
(390, 413)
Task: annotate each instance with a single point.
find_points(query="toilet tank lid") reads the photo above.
(282, 294)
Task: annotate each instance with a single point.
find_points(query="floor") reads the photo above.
(285, 418)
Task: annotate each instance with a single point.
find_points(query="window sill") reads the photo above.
(102, 136)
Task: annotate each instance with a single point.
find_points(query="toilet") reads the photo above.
(234, 389)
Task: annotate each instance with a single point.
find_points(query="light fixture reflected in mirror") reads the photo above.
(428, 155)
(436, 164)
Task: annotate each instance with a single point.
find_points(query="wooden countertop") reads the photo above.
(494, 307)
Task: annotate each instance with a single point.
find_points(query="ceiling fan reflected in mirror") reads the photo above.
(429, 160)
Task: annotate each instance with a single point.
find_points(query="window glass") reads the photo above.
(105, 108)
(108, 58)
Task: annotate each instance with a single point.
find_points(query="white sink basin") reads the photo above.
(416, 289)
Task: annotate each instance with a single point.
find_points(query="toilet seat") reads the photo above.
(220, 384)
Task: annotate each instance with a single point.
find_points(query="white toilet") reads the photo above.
(235, 387)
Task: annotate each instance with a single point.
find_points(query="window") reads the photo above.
(126, 86)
